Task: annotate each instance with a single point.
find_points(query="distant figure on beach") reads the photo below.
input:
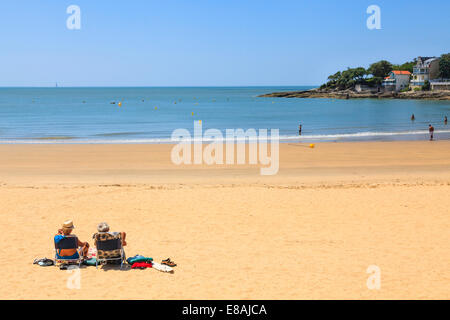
(300, 130)
(445, 120)
(431, 130)
(413, 117)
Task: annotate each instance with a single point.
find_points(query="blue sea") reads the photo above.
(149, 115)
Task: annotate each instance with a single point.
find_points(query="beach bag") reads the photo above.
(92, 253)
(44, 262)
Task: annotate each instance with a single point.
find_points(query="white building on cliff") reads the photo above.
(397, 80)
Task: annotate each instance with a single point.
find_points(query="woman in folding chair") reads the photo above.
(109, 245)
(69, 249)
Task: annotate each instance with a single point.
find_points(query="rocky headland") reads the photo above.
(352, 94)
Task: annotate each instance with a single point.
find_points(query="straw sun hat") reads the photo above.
(68, 225)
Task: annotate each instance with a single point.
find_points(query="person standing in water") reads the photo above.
(431, 130)
(445, 120)
(413, 117)
(300, 130)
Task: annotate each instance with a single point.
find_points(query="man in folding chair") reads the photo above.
(109, 245)
(69, 249)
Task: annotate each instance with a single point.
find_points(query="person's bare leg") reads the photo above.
(84, 250)
(124, 235)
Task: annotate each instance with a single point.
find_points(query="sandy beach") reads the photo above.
(309, 232)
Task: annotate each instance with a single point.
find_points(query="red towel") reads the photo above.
(141, 265)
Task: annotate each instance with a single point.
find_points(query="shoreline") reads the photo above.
(366, 136)
(351, 94)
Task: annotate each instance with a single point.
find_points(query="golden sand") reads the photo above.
(309, 232)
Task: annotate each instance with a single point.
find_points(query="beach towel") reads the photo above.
(141, 265)
(139, 258)
(58, 238)
(72, 257)
(162, 268)
(90, 262)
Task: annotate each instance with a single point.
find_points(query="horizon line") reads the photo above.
(225, 86)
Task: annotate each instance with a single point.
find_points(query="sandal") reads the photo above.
(169, 263)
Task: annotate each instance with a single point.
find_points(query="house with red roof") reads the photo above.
(397, 80)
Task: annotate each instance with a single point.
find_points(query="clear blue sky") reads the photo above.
(210, 42)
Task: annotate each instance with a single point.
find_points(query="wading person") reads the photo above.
(300, 130)
(413, 117)
(445, 120)
(431, 130)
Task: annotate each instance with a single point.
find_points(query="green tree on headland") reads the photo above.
(380, 69)
(444, 66)
(373, 76)
(335, 77)
(376, 73)
(407, 66)
(346, 79)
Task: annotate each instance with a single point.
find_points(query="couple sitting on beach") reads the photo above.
(83, 247)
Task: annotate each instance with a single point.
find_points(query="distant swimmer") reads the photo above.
(445, 120)
(300, 130)
(431, 130)
(413, 117)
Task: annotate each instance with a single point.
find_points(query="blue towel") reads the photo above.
(58, 238)
(138, 258)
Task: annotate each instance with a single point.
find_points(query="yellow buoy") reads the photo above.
(156, 108)
(312, 145)
(120, 104)
(192, 113)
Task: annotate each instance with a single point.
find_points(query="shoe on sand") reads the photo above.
(169, 263)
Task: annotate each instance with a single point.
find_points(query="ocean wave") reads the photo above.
(319, 137)
(366, 134)
(118, 134)
(55, 138)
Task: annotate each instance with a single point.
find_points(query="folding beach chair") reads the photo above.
(68, 243)
(109, 248)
